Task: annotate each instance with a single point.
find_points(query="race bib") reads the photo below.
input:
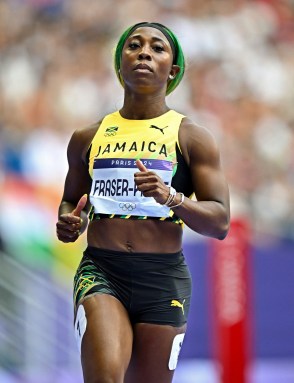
(114, 191)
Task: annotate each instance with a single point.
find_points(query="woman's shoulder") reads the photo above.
(87, 133)
(196, 138)
(190, 128)
(81, 139)
(83, 136)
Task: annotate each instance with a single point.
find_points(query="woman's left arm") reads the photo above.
(210, 214)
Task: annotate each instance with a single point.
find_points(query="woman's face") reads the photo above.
(147, 60)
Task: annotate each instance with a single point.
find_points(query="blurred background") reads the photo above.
(56, 75)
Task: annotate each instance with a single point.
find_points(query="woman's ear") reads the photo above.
(173, 72)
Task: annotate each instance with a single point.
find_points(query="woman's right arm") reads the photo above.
(74, 207)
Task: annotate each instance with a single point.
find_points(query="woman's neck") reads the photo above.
(143, 107)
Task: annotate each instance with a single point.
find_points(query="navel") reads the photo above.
(129, 246)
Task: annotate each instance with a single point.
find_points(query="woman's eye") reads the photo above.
(158, 48)
(133, 45)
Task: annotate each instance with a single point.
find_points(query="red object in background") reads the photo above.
(230, 281)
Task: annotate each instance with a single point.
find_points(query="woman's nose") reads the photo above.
(144, 54)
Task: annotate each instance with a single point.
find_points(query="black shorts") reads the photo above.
(154, 288)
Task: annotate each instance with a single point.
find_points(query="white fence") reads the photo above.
(36, 331)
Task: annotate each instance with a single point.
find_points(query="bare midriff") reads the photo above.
(148, 236)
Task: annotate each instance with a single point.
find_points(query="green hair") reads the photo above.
(178, 54)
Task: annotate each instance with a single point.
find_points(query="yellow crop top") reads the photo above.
(114, 149)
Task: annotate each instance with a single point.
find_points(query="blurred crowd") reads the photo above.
(56, 75)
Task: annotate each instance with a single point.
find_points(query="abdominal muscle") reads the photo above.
(148, 236)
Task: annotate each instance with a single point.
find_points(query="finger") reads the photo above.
(80, 206)
(66, 239)
(67, 226)
(64, 234)
(140, 166)
(69, 218)
(68, 234)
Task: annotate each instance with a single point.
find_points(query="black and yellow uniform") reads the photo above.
(154, 288)
(114, 149)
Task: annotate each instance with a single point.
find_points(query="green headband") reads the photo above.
(178, 56)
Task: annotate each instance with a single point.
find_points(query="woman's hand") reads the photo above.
(150, 184)
(69, 225)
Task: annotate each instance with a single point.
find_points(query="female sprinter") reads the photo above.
(131, 176)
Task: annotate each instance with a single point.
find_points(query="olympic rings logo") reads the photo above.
(127, 206)
(109, 134)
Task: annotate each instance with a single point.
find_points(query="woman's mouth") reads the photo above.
(143, 68)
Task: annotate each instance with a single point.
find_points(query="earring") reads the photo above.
(171, 77)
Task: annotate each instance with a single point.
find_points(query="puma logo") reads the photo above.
(176, 303)
(157, 127)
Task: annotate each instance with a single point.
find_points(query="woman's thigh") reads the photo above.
(155, 352)
(107, 342)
